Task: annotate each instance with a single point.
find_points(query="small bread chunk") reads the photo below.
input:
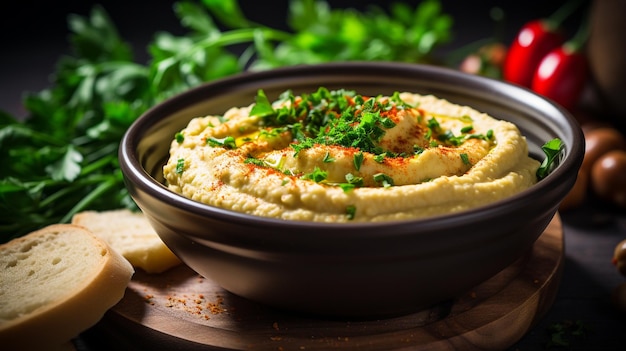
(56, 282)
(130, 234)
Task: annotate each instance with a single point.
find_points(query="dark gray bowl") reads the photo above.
(358, 269)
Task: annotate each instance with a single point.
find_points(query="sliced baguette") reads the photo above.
(57, 282)
(130, 234)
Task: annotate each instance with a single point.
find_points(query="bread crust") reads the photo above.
(60, 320)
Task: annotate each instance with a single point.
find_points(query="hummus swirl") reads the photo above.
(337, 156)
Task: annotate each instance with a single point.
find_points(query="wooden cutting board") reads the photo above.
(181, 310)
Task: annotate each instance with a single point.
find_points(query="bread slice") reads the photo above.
(56, 282)
(130, 234)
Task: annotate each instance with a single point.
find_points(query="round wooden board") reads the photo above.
(181, 310)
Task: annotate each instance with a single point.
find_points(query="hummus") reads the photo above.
(337, 156)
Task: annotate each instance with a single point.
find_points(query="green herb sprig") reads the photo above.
(552, 150)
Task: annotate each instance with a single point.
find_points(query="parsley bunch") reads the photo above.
(62, 158)
(323, 34)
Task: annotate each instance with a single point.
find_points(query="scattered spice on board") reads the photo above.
(195, 304)
(148, 298)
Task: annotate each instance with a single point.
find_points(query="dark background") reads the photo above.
(33, 33)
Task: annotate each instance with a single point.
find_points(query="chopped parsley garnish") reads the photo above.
(346, 186)
(433, 124)
(346, 119)
(467, 129)
(350, 211)
(354, 180)
(397, 100)
(447, 137)
(327, 158)
(380, 157)
(358, 160)
(552, 149)
(465, 159)
(317, 175)
(388, 123)
(254, 161)
(179, 137)
(227, 142)
(262, 106)
(338, 117)
(383, 179)
(180, 166)
(269, 133)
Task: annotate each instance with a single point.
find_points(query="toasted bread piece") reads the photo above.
(57, 282)
(130, 234)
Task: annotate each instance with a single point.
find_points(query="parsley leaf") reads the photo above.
(226, 142)
(68, 166)
(327, 158)
(262, 106)
(318, 175)
(354, 180)
(385, 180)
(255, 161)
(358, 160)
(465, 159)
(552, 150)
(180, 166)
(179, 137)
(350, 211)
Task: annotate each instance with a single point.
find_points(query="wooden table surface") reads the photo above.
(583, 298)
(189, 312)
(590, 232)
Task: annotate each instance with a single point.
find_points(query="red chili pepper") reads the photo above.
(563, 72)
(534, 40)
(561, 76)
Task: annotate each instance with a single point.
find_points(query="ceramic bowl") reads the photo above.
(354, 269)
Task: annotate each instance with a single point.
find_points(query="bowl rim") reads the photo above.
(134, 172)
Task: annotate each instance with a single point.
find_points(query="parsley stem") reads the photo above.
(52, 199)
(232, 37)
(98, 164)
(82, 204)
(35, 137)
(237, 36)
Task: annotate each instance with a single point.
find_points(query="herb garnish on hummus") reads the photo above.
(335, 155)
